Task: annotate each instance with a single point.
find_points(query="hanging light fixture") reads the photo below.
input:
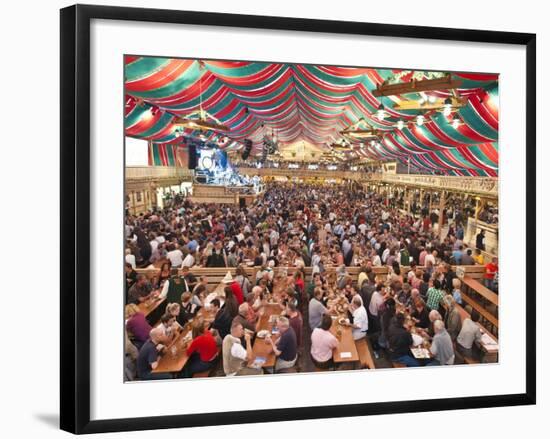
(400, 124)
(201, 119)
(447, 107)
(381, 114)
(432, 99)
(420, 120)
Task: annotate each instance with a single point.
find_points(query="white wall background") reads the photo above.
(30, 79)
(136, 152)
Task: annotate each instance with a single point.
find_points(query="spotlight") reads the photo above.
(400, 124)
(420, 120)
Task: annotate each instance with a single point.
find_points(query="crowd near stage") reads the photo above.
(288, 218)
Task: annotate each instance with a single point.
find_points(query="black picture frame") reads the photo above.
(75, 216)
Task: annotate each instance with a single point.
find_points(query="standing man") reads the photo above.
(218, 258)
(480, 240)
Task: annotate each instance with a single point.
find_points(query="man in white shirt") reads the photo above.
(360, 318)
(376, 301)
(430, 257)
(130, 258)
(274, 237)
(235, 356)
(154, 245)
(175, 255)
(188, 261)
(469, 333)
(160, 239)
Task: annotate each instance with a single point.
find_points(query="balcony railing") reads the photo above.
(303, 173)
(486, 186)
(157, 173)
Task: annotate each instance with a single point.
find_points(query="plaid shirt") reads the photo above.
(434, 297)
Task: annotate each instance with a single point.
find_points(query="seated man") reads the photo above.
(242, 317)
(141, 291)
(222, 319)
(400, 342)
(323, 344)
(189, 277)
(285, 348)
(360, 323)
(235, 356)
(296, 322)
(469, 334)
(316, 309)
(442, 346)
(148, 356)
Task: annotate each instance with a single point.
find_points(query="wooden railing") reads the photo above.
(158, 173)
(485, 186)
(215, 275)
(303, 173)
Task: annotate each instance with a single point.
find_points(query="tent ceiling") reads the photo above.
(308, 104)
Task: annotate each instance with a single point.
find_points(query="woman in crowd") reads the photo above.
(203, 350)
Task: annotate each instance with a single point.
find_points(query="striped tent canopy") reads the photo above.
(314, 104)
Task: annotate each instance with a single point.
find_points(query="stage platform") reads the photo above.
(219, 194)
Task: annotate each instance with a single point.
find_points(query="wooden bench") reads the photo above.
(204, 374)
(215, 275)
(481, 310)
(364, 350)
(473, 271)
(480, 289)
(469, 360)
(396, 364)
(488, 300)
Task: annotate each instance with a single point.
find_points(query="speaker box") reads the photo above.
(192, 156)
(247, 148)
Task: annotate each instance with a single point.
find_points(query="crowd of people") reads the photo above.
(317, 226)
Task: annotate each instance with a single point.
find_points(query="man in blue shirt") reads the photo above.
(148, 357)
(457, 255)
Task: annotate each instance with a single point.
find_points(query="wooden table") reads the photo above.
(346, 343)
(174, 363)
(151, 309)
(261, 348)
(175, 356)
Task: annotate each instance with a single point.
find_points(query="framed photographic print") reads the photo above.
(273, 218)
